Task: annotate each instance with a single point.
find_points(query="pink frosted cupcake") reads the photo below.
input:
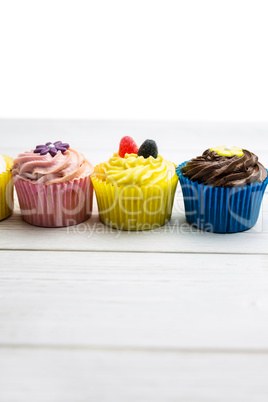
(54, 186)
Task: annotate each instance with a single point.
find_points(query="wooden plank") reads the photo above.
(175, 237)
(151, 323)
(174, 138)
(29, 375)
(99, 140)
(134, 300)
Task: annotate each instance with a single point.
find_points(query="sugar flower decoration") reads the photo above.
(225, 151)
(51, 148)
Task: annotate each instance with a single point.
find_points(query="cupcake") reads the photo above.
(135, 189)
(223, 189)
(6, 187)
(53, 185)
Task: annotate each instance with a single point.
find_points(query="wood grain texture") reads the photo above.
(175, 237)
(29, 375)
(177, 141)
(92, 314)
(134, 300)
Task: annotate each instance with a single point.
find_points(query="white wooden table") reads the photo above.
(93, 314)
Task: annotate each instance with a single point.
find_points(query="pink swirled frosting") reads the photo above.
(47, 169)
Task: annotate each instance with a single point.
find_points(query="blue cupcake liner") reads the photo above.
(221, 209)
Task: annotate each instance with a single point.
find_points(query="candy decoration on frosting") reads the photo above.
(148, 148)
(51, 148)
(225, 151)
(127, 146)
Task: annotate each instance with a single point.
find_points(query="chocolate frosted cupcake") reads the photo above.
(223, 189)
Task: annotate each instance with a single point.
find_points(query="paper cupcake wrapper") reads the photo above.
(6, 194)
(55, 205)
(135, 208)
(220, 209)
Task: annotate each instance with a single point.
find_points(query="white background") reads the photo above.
(142, 59)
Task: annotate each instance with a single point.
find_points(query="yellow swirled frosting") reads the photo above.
(5, 163)
(135, 170)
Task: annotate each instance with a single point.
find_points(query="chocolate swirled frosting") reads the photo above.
(225, 171)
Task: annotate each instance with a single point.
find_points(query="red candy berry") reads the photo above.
(127, 146)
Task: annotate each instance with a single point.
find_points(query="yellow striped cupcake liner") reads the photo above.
(6, 190)
(135, 208)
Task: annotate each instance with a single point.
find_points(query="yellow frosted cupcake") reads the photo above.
(6, 187)
(135, 189)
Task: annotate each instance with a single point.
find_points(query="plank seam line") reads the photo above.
(111, 349)
(132, 251)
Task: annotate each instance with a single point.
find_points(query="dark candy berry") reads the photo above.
(148, 148)
(127, 146)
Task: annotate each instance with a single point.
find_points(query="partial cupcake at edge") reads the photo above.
(53, 183)
(135, 188)
(6, 187)
(223, 189)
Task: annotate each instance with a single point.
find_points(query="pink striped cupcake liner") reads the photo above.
(55, 205)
